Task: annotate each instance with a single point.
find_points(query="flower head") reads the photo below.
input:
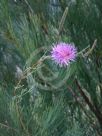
(63, 53)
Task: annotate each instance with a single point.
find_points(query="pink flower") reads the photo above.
(63, 53)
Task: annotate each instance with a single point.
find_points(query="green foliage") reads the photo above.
(37, 98)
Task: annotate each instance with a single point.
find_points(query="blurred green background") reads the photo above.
(45, 100)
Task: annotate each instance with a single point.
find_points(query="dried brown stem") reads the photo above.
(90, 119)
(91, 106)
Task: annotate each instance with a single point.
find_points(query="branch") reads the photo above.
(91, 106)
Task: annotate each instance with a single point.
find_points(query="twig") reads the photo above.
(20, 119)
(82, 51)
(91, 106)
(6, 126)
(28, 6)
(77, 100)
(92, 48)
(90, 119)
(89, 50)
(63, 20)
(29, 70)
